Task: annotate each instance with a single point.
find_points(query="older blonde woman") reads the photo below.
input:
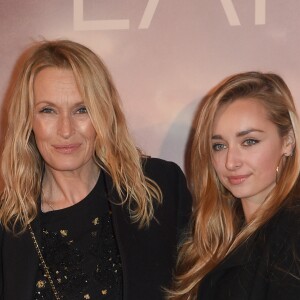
(84, 215)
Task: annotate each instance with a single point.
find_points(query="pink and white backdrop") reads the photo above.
(164, 55)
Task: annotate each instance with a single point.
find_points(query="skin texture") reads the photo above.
(247, 149)
(64, 135)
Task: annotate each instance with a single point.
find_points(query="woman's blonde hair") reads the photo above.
(115, 152)
(217, 224)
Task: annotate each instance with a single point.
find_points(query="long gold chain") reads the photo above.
(44, 265)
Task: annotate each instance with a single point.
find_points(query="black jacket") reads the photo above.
(148, 254)
(266, 267)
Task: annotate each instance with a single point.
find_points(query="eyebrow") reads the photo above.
(239, 134)
(50, 102)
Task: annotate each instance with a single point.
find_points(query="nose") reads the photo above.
(65, 126)
(233, 158)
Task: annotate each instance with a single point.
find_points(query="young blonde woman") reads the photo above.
(84, 215)
(245, 240)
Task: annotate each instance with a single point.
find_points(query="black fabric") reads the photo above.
(147, 254)
(265, 267)
(80, 249)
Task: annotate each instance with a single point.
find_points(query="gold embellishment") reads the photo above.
(63, 232)
(40, 284)
(96, 221)
(86, 296)
(43, 263)
(104, 292)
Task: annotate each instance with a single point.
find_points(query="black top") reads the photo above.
(79, 247)
(265, 267)
(148, 254)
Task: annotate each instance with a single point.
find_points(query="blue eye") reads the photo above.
(46, 110)
(218, 147)
(82, 110)
(250, 142)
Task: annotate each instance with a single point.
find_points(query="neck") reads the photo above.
(64, 189)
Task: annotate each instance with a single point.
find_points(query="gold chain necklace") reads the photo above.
(44, 265)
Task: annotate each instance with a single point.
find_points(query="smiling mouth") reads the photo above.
(235, 180)
(66, 149)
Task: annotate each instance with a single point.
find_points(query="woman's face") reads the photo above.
(247, 149)
(62, 127)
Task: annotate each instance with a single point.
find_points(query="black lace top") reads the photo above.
(80, 249)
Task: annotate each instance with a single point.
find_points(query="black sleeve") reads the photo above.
(184, 202)
(172, 182)
(149, 253)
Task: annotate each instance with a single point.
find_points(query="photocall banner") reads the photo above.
(164, 55)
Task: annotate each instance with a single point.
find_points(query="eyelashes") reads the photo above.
(46, 110)
(246, 143)
(218, 147)
(51, 110)
(250, 142)
(82, 110)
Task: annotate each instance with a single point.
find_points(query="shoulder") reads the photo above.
(282, 230)
(172, 183)
(284, 237)
(290, 222)
(168, 175)
(159, 168)
(286, 223)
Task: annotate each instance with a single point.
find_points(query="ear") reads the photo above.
(289, 143)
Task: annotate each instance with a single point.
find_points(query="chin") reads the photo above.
(240, 194)
(65, 167)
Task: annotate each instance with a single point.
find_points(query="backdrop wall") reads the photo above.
(164, 55)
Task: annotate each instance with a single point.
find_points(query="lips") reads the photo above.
(235, 180)
(66, 149)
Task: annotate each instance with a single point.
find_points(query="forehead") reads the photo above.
(242, 114)
(51, 74)
(55, 84)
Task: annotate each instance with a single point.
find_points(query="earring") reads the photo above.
(288, 154)
(278, 168)
(279, 164)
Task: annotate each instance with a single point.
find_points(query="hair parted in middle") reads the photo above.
(218, 220)
(115, 152)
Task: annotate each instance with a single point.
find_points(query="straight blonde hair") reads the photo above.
(217, 223)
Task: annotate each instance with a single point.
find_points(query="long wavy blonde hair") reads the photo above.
(22, 165)
(217, 216)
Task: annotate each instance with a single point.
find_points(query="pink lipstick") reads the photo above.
(235, 180)
(66, 149)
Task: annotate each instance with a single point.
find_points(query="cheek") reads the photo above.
(41, 130)
(88, 131)
(268, 159)
(266, 165)
(218, 163)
